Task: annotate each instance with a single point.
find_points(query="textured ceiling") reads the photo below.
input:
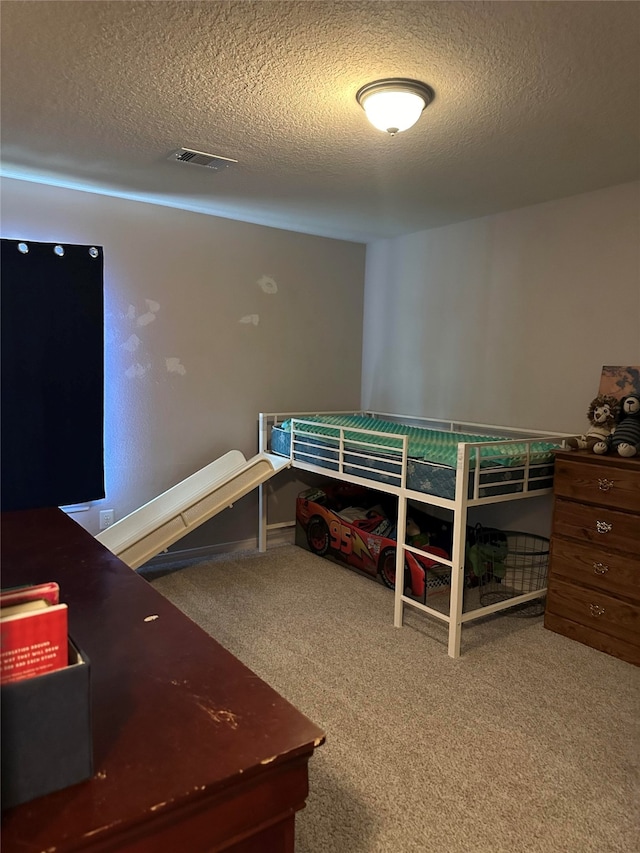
(533, 101)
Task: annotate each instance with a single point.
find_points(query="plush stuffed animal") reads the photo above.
(415, 536)
(602, 415)
(626, 436)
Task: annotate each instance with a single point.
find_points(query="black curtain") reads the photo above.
(52, 374)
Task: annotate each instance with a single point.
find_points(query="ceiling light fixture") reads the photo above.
(395, 104)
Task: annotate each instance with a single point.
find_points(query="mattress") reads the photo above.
(431, 467)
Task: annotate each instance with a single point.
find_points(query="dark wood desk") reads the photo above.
(192, 751)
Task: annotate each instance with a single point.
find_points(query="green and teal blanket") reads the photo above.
(430, 445)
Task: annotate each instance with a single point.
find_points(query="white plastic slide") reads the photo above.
(150, 529)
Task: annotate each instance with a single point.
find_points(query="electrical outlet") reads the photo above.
(107, 517)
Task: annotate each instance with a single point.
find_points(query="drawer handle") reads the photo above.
(596, 610)
(605, 485)
(603, 527)
(600, 568)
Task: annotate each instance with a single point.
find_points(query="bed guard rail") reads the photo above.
(351, 452)
(358, 453)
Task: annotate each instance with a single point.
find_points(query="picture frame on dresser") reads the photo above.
(619, 381)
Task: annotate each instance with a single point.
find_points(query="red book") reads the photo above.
(32, 642)
(49, 592)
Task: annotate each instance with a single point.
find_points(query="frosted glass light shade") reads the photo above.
(394, 105)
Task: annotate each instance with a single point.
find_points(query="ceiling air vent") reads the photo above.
(200, 158)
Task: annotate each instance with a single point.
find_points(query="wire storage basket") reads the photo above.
(508, 564)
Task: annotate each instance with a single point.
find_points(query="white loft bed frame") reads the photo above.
(302, 425)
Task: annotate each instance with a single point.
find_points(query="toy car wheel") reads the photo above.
(318, 535)
(387, 567)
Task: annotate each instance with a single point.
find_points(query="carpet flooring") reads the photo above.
(528, 743)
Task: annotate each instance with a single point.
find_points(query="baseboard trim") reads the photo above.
(276, 536)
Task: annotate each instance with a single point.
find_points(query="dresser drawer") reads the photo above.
(629, 652)
(601, 526)
(594, 610)
(616, 574)
(617, 487)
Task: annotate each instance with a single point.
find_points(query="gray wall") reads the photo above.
(506, 319)
(185, 376)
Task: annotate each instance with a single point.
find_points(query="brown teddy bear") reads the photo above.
(625, 438)
(602, 414)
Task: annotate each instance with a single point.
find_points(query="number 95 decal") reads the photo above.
(340, 537)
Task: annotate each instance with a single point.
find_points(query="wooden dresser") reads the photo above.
(594, 572)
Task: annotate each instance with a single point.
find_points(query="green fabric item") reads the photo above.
(439, 446)
(488, 559)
